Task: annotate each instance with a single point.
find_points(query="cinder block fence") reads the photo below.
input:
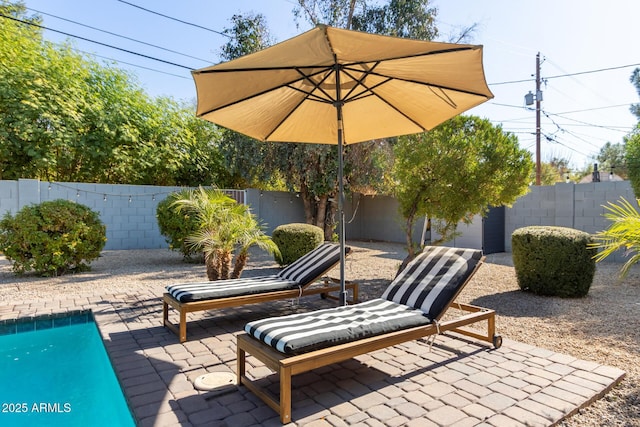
(129, 211)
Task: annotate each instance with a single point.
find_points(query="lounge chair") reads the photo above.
(294, 281)
(410, 308)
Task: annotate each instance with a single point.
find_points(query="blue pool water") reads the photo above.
(52, 375)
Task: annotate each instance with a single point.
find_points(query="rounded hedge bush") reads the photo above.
(176, 227)
(52, 238)
(554, 261)
(295, 240)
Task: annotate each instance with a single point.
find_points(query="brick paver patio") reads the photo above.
(455, 382)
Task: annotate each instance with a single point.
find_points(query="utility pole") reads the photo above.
(538, 99)
(528, 98)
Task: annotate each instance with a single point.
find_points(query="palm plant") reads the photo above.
(223, 225)
(623, 233)
(249, 234)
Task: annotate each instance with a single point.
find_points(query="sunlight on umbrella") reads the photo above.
(335, 86)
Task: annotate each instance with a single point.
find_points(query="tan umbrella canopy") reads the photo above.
(335, 86)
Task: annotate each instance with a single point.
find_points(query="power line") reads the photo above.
(585, 123)
(96, 42)
(119, 35)
(512, 81)
(593, 71)
(131, 64)
(596, 108)
(566, 75)
(175, 19)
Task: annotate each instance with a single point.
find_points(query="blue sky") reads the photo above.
(588, 52)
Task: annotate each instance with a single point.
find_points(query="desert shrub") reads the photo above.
(553, 261)
(295, 240)
(52, 238)
(177, 226)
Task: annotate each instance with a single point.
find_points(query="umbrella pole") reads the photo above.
(343, 292)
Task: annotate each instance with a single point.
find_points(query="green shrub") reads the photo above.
(553, 261)
(52, 238)
(295, 240)
(176, 227)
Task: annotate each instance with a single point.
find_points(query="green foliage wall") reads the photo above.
(66, 117)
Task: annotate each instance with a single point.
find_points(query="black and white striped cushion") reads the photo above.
(299, 333)
(431, 281)
(298, 274)
(189, 292)
(313, 264)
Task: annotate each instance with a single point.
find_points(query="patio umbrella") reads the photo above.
(335, 86)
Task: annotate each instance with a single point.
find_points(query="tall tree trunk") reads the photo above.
(411, 215)
(241, 262)
(330, 221)
(211, 263)
(307, 201)
(225, 264)
(321, 211)
(352, 6)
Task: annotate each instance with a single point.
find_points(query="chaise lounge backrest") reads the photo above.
(418, 296)
(313, 264)
(432, 280)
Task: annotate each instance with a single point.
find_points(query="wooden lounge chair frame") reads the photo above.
(285, 366)
(323, 288)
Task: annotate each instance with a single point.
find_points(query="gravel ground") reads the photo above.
(602, 327)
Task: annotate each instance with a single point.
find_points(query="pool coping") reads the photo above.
(45, 321)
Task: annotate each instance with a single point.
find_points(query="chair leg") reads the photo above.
(241, 365)
(285, 395)
(183, 326)
(165, 312)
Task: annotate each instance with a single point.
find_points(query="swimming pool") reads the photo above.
(54, 371)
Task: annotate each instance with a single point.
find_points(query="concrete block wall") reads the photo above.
(367, 217)
(128, 211)
(578, 206)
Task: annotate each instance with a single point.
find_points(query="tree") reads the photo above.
(612, 158)
(247, 159)
(399, 18)
(456, 171)
(365, 163)
(632, 159)
(635, 80)
(223, 224)
(65, 117)
(553, 171)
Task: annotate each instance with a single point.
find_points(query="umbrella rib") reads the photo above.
(287, 84)
(371, 92)
(308, 96)
(433, 85)
(443, 96)
(315, 85)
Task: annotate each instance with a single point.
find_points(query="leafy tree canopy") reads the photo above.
(456, 171)
(632, 142)
(612, 158)
(65, 117)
